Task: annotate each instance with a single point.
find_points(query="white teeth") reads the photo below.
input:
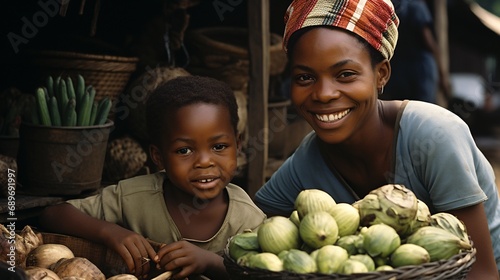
(206, 180)
(332, 117)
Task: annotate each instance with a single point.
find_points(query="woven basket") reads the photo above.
(223, 53)
(455, 268)
(108, 261)
(107, 74)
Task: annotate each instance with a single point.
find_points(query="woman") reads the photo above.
(339, 53)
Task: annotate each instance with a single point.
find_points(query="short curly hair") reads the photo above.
(182, 91)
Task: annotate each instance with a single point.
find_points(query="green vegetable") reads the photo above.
(70, 88)
(80, 87)
(54, 112)
(91, 92)
(299, 262)
(50, 86)
(83, 112)
(43, 109)
(380, 240)
(70, 113)
(63, 95)
(68, 103)
(318, 229)
(391, 204)
(93, 113)
(103, 111)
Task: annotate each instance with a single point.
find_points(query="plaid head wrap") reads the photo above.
(373, 20)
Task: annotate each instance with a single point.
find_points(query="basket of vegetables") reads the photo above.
(323, 239)
(59, 256)
(63, 145)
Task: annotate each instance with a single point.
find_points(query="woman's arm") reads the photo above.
(66, 219)
(476, 224)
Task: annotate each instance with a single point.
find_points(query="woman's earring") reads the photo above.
(381, 91)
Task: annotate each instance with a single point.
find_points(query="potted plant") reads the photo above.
(63, 145)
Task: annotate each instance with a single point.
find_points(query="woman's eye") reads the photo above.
(184, 151)
(219, 147)
(346, 74)
(304, 79)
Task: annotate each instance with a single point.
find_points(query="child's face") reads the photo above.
(198, 149)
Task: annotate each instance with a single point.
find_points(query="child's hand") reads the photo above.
(184, 259)
(132, 247)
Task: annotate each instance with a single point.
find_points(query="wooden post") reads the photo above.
(258, 87)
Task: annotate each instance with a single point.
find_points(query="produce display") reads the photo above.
(387, 229)
(64, 103)
(47, 261)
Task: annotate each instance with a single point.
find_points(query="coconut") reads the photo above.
(77, 267)
(47, 254)
(40, 273)
(24, 242)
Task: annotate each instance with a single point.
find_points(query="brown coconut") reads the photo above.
(77, 267)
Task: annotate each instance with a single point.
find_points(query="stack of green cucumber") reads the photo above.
(64, 103)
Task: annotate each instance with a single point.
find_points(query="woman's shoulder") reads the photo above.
(417, 113)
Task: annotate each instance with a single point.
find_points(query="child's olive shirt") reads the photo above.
(138, 204)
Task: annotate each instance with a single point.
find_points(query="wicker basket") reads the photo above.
(107, 74)
(108, 261)
(455, 268)
(222, 53)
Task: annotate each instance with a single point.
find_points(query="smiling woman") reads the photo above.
(340, 55)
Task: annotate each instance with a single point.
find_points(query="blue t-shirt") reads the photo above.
(435, 156)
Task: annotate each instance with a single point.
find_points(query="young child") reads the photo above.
(190, 205)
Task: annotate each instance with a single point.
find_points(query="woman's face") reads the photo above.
(199, 149)
(333, 83)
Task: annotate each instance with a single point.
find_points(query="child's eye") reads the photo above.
(184, 151)
(219, 147)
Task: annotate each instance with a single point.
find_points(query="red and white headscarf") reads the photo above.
(373, 20)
